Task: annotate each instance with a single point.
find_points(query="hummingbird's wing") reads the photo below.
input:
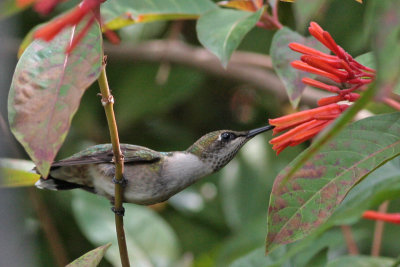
(103, 154)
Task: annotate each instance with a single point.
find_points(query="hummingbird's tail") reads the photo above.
(55, 184)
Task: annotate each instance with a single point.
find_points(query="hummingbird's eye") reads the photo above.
(227, 136)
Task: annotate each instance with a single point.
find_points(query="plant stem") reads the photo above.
(379, 225)
(348, 236)
(49, 228)
(107, 101)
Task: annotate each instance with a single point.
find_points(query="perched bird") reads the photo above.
(151, 176)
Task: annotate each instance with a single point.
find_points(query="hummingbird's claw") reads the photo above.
(119, 212)
(122, 182)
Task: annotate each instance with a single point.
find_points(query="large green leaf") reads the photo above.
(222, 30)
(150, 241)
(300, 204)
(361, 261)
(91, 258)
(46, 90)
(310, 251)
(383, 184)
(282, 55)
(118, 14)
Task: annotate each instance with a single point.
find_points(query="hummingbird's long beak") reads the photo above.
(254, 132)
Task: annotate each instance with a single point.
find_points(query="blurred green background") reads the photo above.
(212, 223)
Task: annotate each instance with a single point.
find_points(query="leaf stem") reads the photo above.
(350, 242)
(107, 101)
(378, 233)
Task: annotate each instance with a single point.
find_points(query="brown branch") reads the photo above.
(244, 67)
(350, 242)
(50, 231)
(107, 101)
(378, 233)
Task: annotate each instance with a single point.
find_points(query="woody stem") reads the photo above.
(108, 104)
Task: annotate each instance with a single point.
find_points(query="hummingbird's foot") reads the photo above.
(122, 182)
(119, 212)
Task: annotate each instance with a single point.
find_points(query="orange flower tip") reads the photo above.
(332, 44)
(24, 3)
(305, 67)
(48, 32)
(387, 217)
(316, 26)
(329, 100)
(321, 85)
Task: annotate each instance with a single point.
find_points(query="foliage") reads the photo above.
(350, 167)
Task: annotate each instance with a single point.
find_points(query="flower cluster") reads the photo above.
(87, 8)
(347, 75)
(381, 216)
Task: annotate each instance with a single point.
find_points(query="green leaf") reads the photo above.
(257, 258)
(90, 259)
(16, 173)
(150, 241)
(300, 204)
(282, 56)
(118, 14)
(383, 184)
(222, 30)
(361, 261)
(386, 44)
(329, 133)
(367, 60)
(46, 90)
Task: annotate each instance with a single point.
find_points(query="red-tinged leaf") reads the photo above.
(300, 204)
(282, 56)
(90, 259)
(245, 5)
(28, 39)
(46, 90)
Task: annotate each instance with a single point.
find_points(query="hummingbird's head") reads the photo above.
(220, 147)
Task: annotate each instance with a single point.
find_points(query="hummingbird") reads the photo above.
(149, 176)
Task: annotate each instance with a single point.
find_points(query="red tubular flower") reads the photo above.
(44, 7)
(303, 125)
(386, 217)
(86, 8)
(293, 120)
(342, 69)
